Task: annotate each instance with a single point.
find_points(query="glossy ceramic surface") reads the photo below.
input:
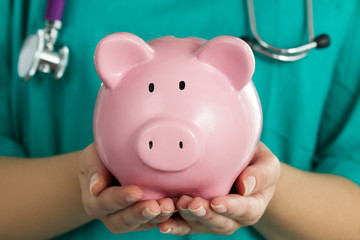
(176, 116)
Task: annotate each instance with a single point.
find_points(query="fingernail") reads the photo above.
(184, 210)
(147, 213)
(165, 212)
(249, 183)
(167, 231)
(200, 211)
(219, 208)
(132, 198)
(94, 180)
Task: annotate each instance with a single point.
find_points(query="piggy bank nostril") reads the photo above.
(151, 87)
(181, 145)
(150, 144)
(182, 85)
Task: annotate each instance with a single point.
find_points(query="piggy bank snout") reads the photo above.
(168, 145)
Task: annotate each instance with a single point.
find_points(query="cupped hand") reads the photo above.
(223, 215)
(119, 207)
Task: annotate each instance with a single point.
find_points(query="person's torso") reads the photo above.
(52, 117)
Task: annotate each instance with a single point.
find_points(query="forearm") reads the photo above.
(312, 206)
(40, 198)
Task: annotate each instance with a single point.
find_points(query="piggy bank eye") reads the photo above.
(151, 87)
(181, 85)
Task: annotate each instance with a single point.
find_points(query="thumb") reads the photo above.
(94, 176)
(262, 172)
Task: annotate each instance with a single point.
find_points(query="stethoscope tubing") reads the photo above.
(285, 54)
(54, 10)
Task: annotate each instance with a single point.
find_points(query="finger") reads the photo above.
(246, 210)
(167, 206)
(114, 199)
(98, 198)
(263, 172)
(209, 220)
(93, 177)
(183, 206)
(175, 226)
(133, 217)
(167, 209)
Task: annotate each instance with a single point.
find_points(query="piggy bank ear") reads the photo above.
(117, 53)
(230, 55)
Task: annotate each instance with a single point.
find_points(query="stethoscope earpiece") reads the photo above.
(322, 41)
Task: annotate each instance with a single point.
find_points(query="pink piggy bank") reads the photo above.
(176, 116)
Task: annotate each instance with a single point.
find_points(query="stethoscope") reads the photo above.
(37, 53)
(285, 54)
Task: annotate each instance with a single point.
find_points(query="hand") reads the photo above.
(225, 214)
(119, 207)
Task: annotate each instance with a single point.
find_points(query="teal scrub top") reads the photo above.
(311, 107)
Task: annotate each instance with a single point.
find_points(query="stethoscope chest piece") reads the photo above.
(37, 53)
(36, 56)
